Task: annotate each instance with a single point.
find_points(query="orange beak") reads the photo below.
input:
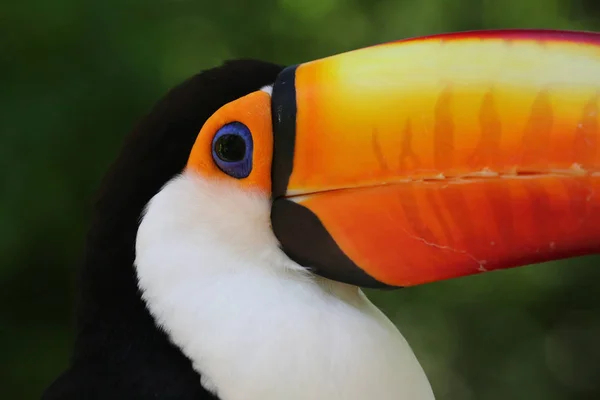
(433, 158)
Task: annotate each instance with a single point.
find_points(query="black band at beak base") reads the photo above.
(306, 241)
(283, 110)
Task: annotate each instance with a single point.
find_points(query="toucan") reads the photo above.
(233, 235)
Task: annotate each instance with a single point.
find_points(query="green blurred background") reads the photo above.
(77, 75)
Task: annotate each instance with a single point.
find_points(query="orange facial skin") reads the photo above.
(450, 155)
(254, 111)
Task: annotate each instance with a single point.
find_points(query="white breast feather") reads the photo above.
(256, 325)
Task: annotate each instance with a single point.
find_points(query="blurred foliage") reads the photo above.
(76, 76)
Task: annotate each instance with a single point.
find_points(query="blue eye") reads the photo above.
(232, 150)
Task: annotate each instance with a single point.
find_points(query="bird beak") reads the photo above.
(433, 158)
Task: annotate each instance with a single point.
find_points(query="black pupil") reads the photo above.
(230, 148)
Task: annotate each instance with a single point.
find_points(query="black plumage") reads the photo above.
(119, 352)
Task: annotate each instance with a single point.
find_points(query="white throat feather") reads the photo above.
(256, 325)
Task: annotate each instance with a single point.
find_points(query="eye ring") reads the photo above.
(232, 149)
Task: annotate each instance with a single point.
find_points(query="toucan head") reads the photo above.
(249, 204)
(418, 160)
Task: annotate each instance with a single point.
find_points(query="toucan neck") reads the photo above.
(120, 352)
(255, 324)
(111, 313)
